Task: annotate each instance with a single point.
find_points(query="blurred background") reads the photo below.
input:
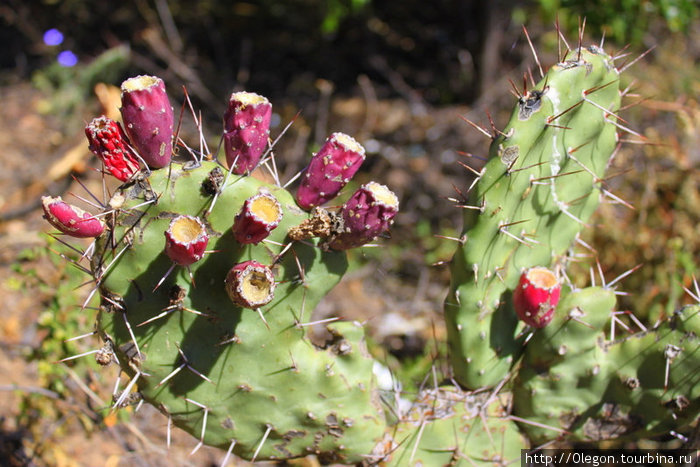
(398, 76)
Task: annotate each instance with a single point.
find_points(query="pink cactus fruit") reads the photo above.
(71, 220)
(536, 296)
(259, 215)
(148, 119)
(185, 240)
(330, 170)
(250, 284)
(109, 143)
(367, 214)
(246, 130)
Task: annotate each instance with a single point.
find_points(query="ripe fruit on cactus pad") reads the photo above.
(246, 130)
(185, 240)
(330, 170)
(148, 119)
(71, 220)
(536, 296)
(250, 284)
(109, 142)
(367, 214)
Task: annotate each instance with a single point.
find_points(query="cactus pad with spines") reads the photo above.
(534, 196)
(574, 381)
(260, 383)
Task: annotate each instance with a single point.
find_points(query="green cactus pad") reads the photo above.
(573, 381)
(534, 196)
(451, 427)
(270, 389)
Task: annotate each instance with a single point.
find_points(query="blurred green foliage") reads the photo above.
(625, 21)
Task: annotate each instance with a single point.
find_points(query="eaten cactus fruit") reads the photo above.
(259, 215)
(185, 240)
(330, 170)
(148, 119)
(109, 143)
(246, 130)
(250, 284)
(535, 297)
(71, 220)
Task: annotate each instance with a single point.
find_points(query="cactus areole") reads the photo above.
(536, 296)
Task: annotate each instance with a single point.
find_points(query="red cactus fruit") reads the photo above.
(185, 240)
(148, 119)
(250, 284)
(71, 220)
(246, 130)
(536, 296)
(367, 214)
(259, 215)
(330, 170)
(109, 142)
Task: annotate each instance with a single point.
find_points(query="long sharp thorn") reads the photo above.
(477, 127)
(419, 436)
(168, 431)
(262, 441)
(471, 169)
(262, 317)
(204, 430)
(223, 186)
(228, 453)
(540, 425)
(321, 321)
(622, 70)
(618, 199)
(695, 296)
(127, 390)
(171, 374)
(86, 201)
(291, 180)
(550, 119)
(623, 275)
(82, 336)
(78, 356)
(534, 52)
(100, 204)
(165, 276)
(131, 333)
(581, 29)
(607, 112)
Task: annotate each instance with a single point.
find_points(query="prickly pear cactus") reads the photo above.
(533, 197)
(577, 382)
(217, 370)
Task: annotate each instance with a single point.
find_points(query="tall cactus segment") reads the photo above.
(533, 197)
(575, 382)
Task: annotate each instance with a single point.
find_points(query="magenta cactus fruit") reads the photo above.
(246, 130)
(71, 220)
(367, 214)
(536, 296)
(148, 119)
(330, 170)
(250, 284)
(185, 240)
(109, 143)
(259, 215)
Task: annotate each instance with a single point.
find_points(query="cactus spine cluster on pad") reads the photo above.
(208, 277)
